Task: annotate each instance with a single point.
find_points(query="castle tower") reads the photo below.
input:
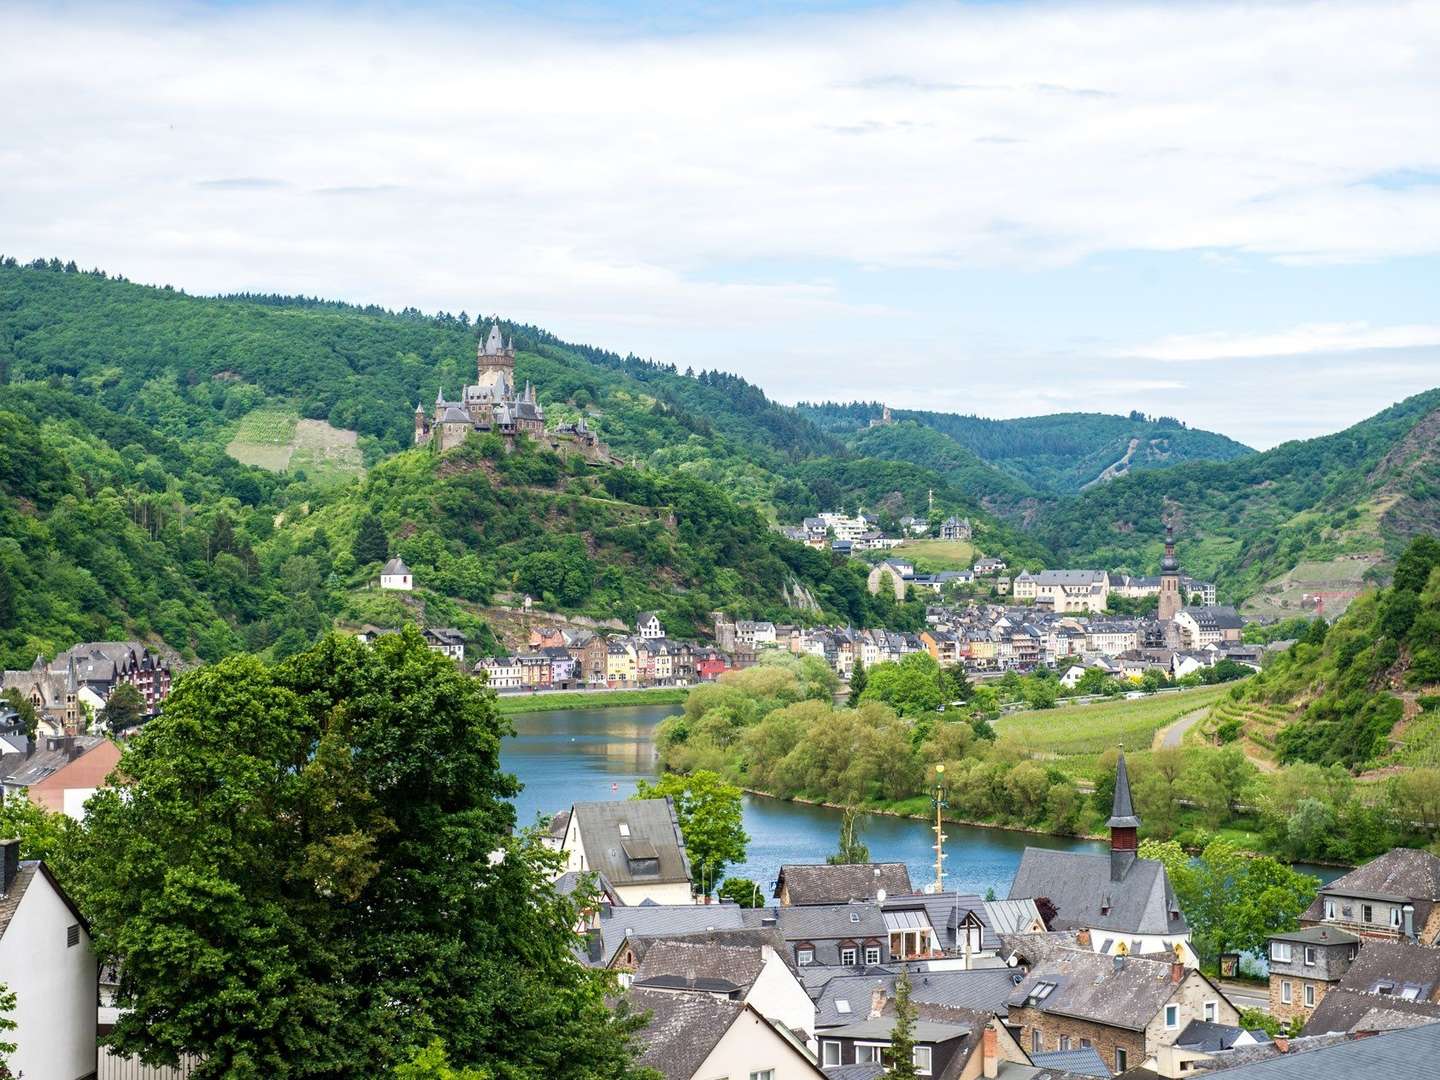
(1123, 824)
(419, 423)
(1169, 579)
(495, 362)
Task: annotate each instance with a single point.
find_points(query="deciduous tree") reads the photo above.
(711, 821)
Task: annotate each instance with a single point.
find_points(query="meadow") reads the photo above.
(1092, 729)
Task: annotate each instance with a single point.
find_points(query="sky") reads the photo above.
(1225, 212)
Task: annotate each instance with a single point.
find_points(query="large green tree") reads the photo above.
(123, 709)
(902, 1035)
(311, 873)
(711, 821)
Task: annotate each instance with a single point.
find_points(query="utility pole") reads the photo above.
(940, 804)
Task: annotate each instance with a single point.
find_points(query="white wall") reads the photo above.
(778, 995)
(55, 987)
(673, 892)
(752, 1045)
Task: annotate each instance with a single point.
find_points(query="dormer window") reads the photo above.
(624, 830)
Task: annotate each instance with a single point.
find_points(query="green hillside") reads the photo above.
(1061, 453)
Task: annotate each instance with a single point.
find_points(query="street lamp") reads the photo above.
(938, 798)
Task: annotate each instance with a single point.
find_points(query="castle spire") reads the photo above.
(1123, 824)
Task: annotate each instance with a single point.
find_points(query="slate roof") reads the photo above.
(742, 937)
(1318, 935)
(1401, 873)
(1392, 976)
(947, 911)
(25, 876)
(1399, 1055)
(395, 566)
(868, 1071)
(1036, 948)
(1009, 916)
(822, 883)
(693, 965)
(569, 881)
(1078, 884)
(653, 839)
(1203, 1035)
(1085, 1061)
(683, 1029)
(1090, 986)
(1219, 617)
(985, 989)
(1122, 811)
(659, 920)
(17, 770)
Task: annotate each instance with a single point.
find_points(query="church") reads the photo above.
(491, 405)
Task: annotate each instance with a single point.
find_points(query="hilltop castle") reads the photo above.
(492, 405)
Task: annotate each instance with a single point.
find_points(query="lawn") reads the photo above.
(934, 555)
(598, 699)
(1093, 729)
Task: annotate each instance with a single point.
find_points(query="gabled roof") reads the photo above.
(633, 841)
(1210, 1037)
(823, 883)
(1401, 873)
(1126, 993)
(1396, 1055)
(748, 937)
(395, 566)
(29, 870)
(1078, 884)
(985, 989)
(699, 965)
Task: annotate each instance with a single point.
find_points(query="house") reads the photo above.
(829, 935)
(852, 996)
(756, 974)
(953, 528)
(1391, 1055)
(1200, 626)
(501, 672)
(1370, 901)
(621, 667)
(445, 640)
(61, 772)
(1306, 963)
(81, 678)
(913, 526)
(822, 883)
(614, 938)
(47, 961)
(950, 1043)
(701, 1037)
(990, 566)
(648, 625)
(591, 655)
(563, 669)
(396, 575)
(1065, 590)
(635, 843)
(1126, 903)
(1388, 984)
(710, 665)
(1125, 1007)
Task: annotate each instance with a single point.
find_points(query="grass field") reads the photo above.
(277, 440)
(601, 699)
(1093, 729)
(933, 555)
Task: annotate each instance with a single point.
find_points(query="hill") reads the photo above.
(1060, 454)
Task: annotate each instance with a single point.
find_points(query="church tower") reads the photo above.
(1169, 579)
(495, 364)
(1124, 825)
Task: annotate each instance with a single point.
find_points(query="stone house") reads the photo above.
(1389, 984)
(1306, 963)
(1371, 900)
(445, 640)
(1123, 1007)
(591, 656)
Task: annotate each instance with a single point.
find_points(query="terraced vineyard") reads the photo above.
(1077, 730)
(1255, 725)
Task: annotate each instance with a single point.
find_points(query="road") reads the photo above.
(1245, 995)
(1170, 736)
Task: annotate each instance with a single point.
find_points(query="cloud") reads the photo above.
(1300, 340)
(241, 183)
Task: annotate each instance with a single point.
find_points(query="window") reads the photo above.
(1367, 913)
(870, 1053)
(1037, 1041)
(829, 1053)
(763, 1074)
(1064, 1042)
(872, 954)
(1084, 1044)
(1285, 991)
(1309, 995)
(72, 935)
(854, 916)
(847, 956)
(1172, 1016)
(1122, 1059)
(921, 1057)
(1309, 955)
(1211, 1009)
(804, 955)
(1395, 916)
(1329, 909)
(1280, 951)
(624, 830)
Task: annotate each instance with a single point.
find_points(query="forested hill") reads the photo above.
(1060, 454)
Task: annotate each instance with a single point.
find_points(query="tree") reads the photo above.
(124, 708)
(902, 1035)
(852, 848)
(742, 891)
(1232, 901)
(910, 687)
(301, 848)
(433, 1063)
(711, 821)
(7, 1025)
(858, 680)
(44, 834)
(371, 544)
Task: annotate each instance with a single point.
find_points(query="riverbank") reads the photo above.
(553, 700)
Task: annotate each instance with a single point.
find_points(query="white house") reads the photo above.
(730, 966)
(636, 844)
(445, 640)
(699, 1037)
(46, 959)
(648, 625)
(396, 575)
(501, 672)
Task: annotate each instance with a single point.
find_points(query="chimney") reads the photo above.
(11, 864)
(1407, 921)
(30, 746)
(1282, 1044)
(989, 1052)
(69, 746)
(1177, 972)
(73, 751)
(877, 1002)
(1082, 938)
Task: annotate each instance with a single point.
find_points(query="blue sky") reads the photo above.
(1226, 212)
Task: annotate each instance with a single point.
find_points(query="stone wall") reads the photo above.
(1104, 1038)
(1296, 1007)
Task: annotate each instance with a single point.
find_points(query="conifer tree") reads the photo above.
(902, 1036)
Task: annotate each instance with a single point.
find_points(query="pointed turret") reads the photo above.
(419, 409)
(1123, 824)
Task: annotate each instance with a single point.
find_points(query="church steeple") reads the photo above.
(1124, 823)
(1170, 599)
